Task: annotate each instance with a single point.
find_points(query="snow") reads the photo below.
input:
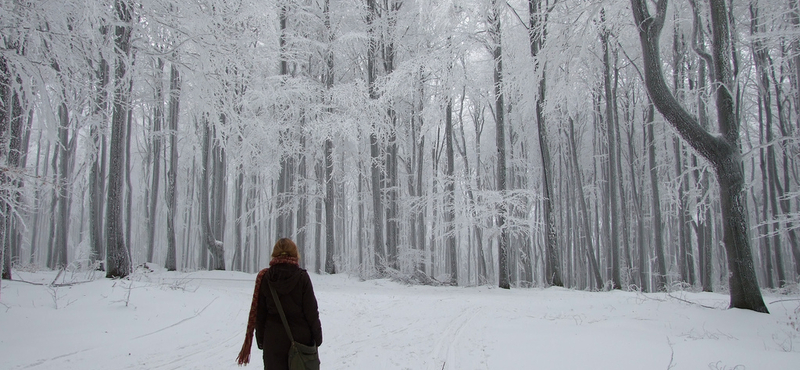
(196, 320)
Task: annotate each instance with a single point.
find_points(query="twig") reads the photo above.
(60, 271)
(28, 282)
(786, 300)
(690, 302)
(671, 355)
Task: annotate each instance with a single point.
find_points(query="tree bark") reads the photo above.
(500, 140)
(236, 264)
(379, 252)
(117, 257)
(158, 119)
(5, 118)
(449, 194)
(616, 278)
(537, 34)
(594, 266)
(330, 246)
(658, 233)
(63, 188)
(97, 170)
(172, 174)
(723, 152)
(209, 240)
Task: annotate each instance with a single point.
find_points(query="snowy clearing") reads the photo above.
(171, 320)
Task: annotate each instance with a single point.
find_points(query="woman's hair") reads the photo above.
(285, 247)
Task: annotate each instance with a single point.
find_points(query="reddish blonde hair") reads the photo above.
(285, 247)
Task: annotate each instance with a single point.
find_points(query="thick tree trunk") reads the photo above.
(723, 152)
(117, 257)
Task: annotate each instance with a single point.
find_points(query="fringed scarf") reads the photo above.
(244, 353)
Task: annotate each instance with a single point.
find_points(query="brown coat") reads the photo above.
(296, 293)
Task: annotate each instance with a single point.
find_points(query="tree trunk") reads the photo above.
(158, 119)
(128, 181)
(284, 220)
(537, 35)
(250, 246)
(236, 264)
(5, 118)
(218, 197)
(117, 257)
(97, 170)
(500, 139)
(594, 266)
(63, 188)
(723, 152)
(449, 194)
(172, 173)
(374, 146)
(330, 246)
(657, 225)
(703, 225)
(209, 241)
(616, 278)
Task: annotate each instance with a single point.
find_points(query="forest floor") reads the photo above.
(196, 320)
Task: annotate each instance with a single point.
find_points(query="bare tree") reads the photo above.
(723, 152)
(329, 191)
(155, 174)
(117, 256)
(537, 33)
(612, 155)
(495, 33)
(172, 172)
(374, 146)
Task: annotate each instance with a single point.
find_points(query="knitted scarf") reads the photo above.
(244, 353)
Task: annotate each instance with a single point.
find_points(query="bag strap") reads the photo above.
(280, 310)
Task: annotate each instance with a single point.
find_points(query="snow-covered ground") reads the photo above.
(170, 320)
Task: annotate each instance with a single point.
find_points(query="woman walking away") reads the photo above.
(293, 287)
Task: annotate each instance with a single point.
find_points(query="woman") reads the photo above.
(293, 286)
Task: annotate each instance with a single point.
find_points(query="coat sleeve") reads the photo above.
(261, 313)
(311, 311)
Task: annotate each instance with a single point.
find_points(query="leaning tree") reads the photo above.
(723, 152)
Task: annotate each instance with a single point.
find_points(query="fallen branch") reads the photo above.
(690, 302)
(786, 300)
